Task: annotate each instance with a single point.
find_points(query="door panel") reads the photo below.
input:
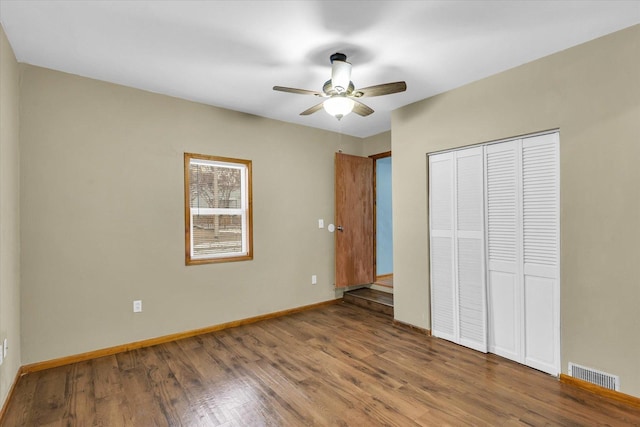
(539, 324)
(354, 220)
(443, 310)
(503, 301)
(541, 248)
(503, 237)
(470, 242)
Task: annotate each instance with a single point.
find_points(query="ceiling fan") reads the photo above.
(341, 95)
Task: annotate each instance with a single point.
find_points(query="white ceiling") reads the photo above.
(231, 53)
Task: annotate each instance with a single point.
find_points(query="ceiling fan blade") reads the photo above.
(383, 89)
(361, 109)
(312, 110)
(298, 91)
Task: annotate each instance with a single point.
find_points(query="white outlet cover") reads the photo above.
(5, 347)
(137, 306)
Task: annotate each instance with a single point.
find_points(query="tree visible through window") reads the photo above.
(217, 209)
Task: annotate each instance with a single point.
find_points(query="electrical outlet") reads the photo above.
(314, 280)
(137, 306)
(321, 223)
(5, 347)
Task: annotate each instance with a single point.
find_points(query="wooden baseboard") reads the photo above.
(3, 411)
(426, 332)
(62, 361)
(604, 392)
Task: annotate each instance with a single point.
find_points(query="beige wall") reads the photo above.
(376, 144)
(103, 222)
(9, 214)
(592, 94)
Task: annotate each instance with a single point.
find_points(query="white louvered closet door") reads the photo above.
(541, 251)
(505, 299)
(523, 251)
(441, 210)
(457, 247)
(469, 244)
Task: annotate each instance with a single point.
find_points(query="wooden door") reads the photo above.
(354, 220)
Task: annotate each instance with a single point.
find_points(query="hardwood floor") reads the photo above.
(385, 280)
(336, 365)
(372, 299)
(373, 295)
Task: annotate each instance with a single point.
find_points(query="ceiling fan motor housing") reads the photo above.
(338, 57)
(340, 73)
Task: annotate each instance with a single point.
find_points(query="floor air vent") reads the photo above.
(612, 382)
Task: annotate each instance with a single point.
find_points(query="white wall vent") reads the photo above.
(612, 382)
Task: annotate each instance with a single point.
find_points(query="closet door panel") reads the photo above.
(469, 234)
(541, 248)
(441, 220)
(503, 242)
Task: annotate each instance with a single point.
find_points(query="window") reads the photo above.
(217, 204)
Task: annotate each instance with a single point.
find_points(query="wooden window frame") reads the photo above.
(247, 211)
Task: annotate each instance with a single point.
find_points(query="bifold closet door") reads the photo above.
(456, 181)
(523, 251)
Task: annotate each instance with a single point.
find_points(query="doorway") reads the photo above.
(383, 241)
(364, 235)
(358, 181)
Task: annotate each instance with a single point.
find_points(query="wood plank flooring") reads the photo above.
(380, 297)
(375, 300)
(385, 280)
(337, 365)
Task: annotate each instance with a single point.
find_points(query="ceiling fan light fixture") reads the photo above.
(338, 106)
(339, 91)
